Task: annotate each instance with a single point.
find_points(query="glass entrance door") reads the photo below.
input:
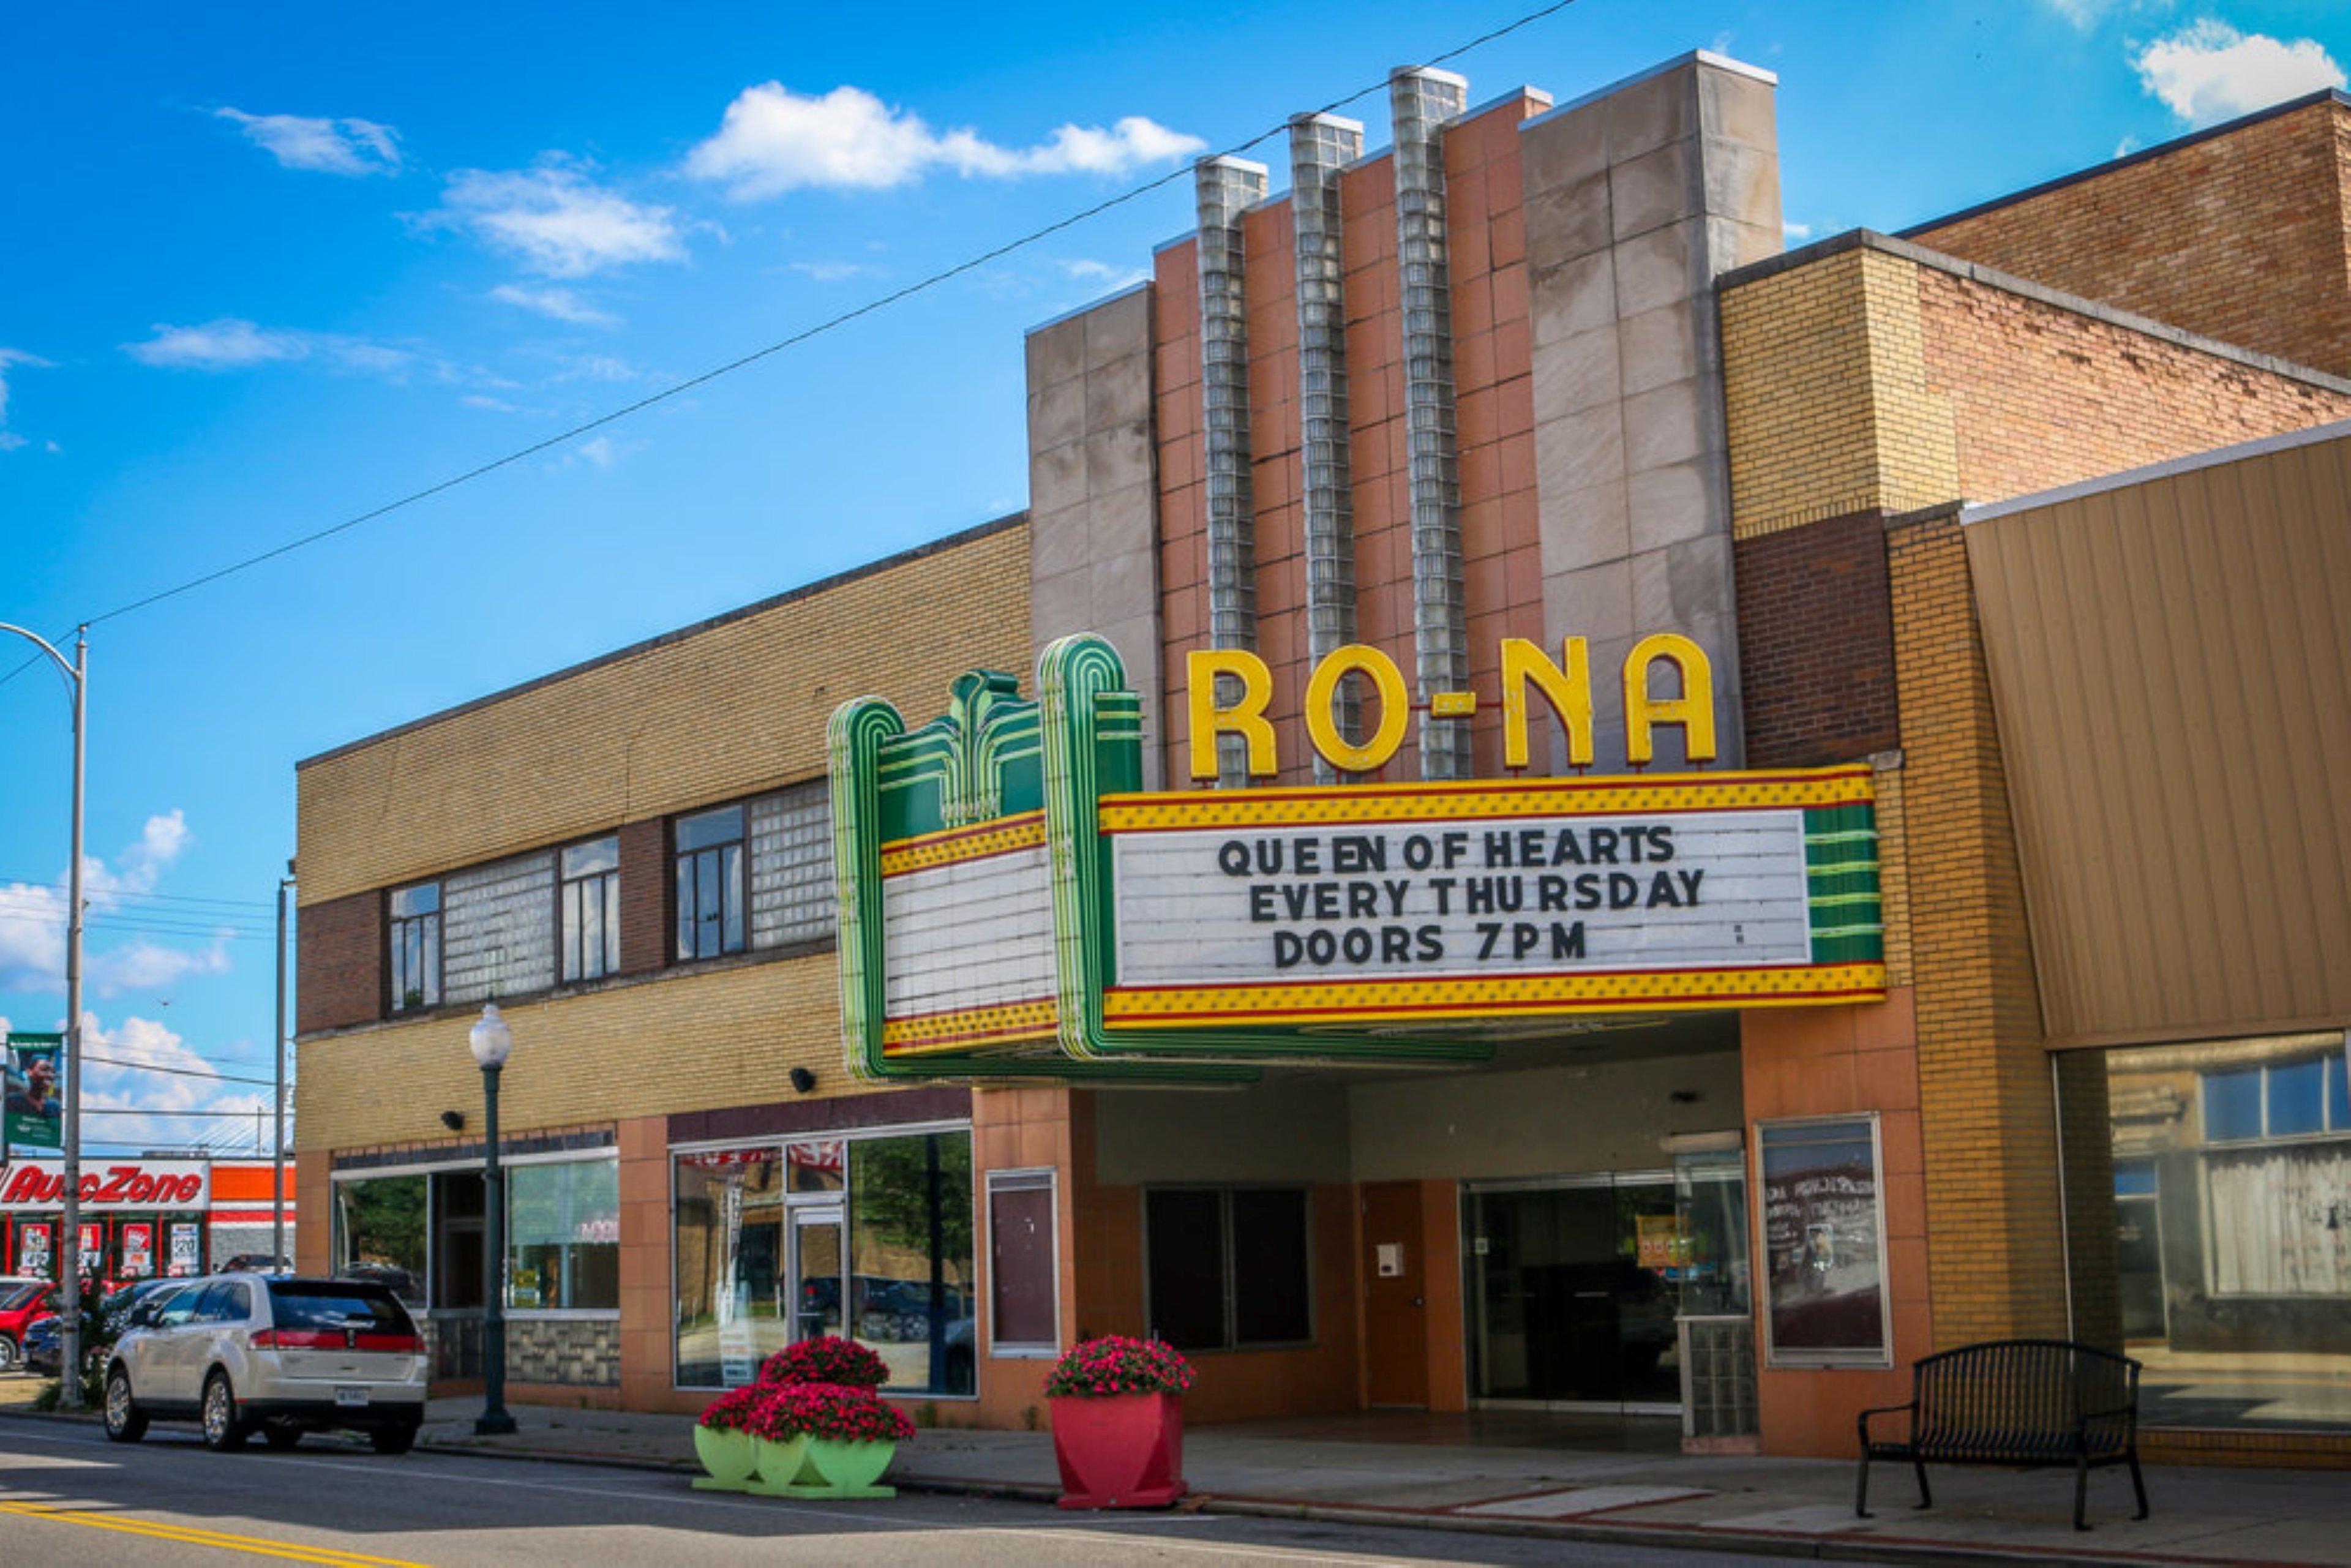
(1564, 1312)
(817, 1284)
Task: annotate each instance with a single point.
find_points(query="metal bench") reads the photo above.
(2020, 1402)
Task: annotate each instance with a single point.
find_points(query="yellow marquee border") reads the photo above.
(1324, 1002)
(972, 1029)
(996, 836)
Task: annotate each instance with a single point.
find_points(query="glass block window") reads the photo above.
(498, 929)
(791, 866)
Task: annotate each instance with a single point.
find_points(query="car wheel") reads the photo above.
(281, 1435)
(222, 1431)
(392, 1440)
(9, 1355)
(125, 1423)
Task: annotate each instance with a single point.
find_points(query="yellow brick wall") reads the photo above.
(1826, 390)
(683, 1042)
(1995, 1245)
(711, 715)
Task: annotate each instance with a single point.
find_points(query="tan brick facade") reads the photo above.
(631, 737)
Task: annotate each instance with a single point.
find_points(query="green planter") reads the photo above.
(847, 1470)
(780, 1465)
(728, 1457)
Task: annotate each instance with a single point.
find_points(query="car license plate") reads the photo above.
(351, 1398)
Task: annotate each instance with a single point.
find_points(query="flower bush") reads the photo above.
(828, 1410)
(828, 1358)
(1100, 1368)
(736, 1410)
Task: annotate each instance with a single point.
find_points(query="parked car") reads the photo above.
(269, 1353)
(22, 1302)
(44, 1347)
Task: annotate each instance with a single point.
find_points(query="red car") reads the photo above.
(22, 1302)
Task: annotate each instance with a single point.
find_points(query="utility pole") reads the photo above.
(277, 1258)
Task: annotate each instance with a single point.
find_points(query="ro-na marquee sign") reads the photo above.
(1014, 905)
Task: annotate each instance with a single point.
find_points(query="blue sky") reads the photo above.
(264, 268)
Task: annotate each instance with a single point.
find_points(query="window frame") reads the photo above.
(1811, 1357)
(740, 888)
(2334, 1068)
(1231, 1344)
(1024, 1178)
(563, 885)
(394, 924)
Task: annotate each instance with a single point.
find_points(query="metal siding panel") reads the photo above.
(2172, 683)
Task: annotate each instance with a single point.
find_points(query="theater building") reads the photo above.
(1550, 809)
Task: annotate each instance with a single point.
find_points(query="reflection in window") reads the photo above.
(710, 892)
(380, 1231)
(909, 1226)
(2208, 1218)
(1229, 1267)
(416, 947)
(563, 1235)
(728, 1244)
(592, 909)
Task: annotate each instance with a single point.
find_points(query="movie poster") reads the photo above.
(1822, 1243)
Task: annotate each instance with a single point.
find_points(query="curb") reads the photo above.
(1683, 1537)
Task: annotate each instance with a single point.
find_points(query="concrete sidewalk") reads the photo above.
(2202, 1514)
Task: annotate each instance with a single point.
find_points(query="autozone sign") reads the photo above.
(108, 1183)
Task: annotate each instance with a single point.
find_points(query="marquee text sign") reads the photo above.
(108, 1183)
(1013, 905)
(1294, 906)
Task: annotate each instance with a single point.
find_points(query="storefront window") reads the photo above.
(730, 1250)
(909, 1226)
(380, 1234)
(2209, 1226)
(563, 1236)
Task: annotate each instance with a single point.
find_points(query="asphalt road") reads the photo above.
(69, 1499)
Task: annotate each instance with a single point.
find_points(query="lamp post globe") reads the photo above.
(491, 1041)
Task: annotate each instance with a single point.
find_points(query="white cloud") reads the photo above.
(327, 146)
(833, 271)
(773, 140)
(2208, 71)
(10, 440)
(562, 304)
(114, 1077)
(1795, 233)
(556, 221)
(2083, 13)
(230, 343)
(33, 922)
(1103, 274)
(598, 450)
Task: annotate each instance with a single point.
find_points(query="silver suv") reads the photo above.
(241, 1354)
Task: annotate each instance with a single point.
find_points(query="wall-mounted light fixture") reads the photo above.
(803, 1080)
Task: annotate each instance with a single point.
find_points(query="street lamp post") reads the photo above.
(68, 1249)
(491, 1041)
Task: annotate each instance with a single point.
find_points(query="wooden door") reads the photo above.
(1396, 1301)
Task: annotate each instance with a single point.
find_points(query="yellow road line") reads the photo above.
(187, 1536)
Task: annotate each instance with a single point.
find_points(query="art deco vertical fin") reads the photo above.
(1319, 146)
(1226, 188)
(1421, 101)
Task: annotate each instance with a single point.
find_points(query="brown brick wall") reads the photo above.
(2042, 397)
(2238, 236)
(1816, 643)
(339, 963)
(645, 896)
(1994, 1239)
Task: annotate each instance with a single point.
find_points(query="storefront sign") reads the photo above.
(1230, 689)
(1012, 905)
(186, 1255)
(32, 1114)
(105, 1184)
(33, 1250)
(138, 1250)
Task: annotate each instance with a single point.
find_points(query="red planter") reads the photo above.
(1124, 1451)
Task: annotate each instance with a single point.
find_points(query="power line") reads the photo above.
(246, 1114)
(179, 1071)
(743, 361)
(141, 896)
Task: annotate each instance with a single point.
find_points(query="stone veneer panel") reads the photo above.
(1636, 199)
(1092, 491)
